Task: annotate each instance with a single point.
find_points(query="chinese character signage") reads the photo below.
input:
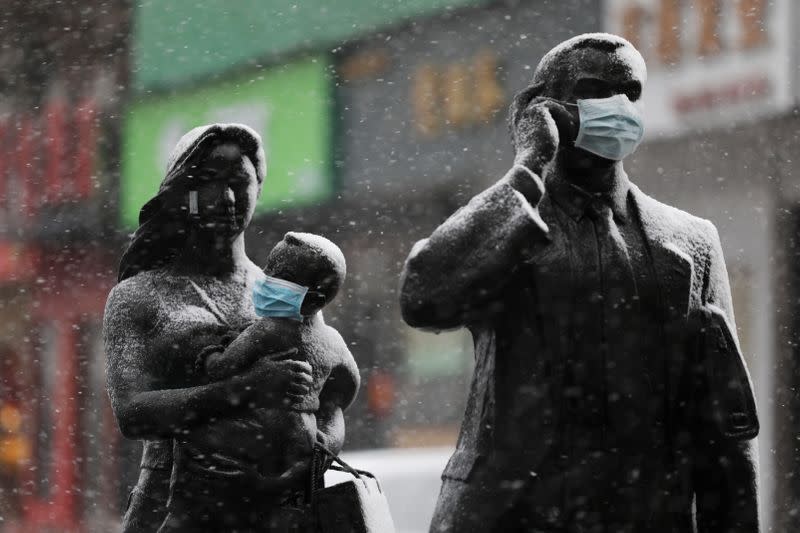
(710, 62)
(424, 108)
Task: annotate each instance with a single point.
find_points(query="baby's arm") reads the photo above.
(337, 394)
(253, 343)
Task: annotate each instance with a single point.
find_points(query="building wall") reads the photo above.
(63, 79)
(183, 42)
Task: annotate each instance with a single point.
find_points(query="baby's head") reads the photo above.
(312, 261)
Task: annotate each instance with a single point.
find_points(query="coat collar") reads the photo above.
(574, 200)
(673, 266)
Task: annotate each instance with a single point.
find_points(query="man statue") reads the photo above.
(609, 394)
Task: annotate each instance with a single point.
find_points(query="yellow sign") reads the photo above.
(456, 95)
(14, 451)
(10, 418)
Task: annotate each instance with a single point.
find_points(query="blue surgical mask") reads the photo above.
(274, 297)
(609, 127)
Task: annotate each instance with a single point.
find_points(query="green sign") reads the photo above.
(289, 106)
(181, 41)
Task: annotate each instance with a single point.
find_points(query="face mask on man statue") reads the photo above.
(609, 127)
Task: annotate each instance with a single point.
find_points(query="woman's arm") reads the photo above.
(143, 404)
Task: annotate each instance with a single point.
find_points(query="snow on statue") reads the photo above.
(609, 391)
(185, 292)
(304, 273)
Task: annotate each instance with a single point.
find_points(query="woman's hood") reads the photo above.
(198, 138)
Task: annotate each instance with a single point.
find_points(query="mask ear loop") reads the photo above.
(194, 210)
(562, 102)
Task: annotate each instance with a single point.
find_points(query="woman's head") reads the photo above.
(213, 180)
(223, 196)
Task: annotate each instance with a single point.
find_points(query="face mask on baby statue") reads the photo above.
(274, 297)
(609, 127)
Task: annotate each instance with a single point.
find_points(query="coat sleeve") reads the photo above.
(726, 463)
(454, 277)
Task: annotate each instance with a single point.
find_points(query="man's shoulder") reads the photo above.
(671, 222)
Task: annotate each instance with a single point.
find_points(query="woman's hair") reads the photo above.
(163, 221)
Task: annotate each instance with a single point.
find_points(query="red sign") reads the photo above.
(18, 261)
(50, 157)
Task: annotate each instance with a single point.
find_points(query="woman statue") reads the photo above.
(184, 280)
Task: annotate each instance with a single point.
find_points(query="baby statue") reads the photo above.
(303, 274)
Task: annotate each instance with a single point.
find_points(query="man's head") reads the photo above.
(593, 65)
(311, 261)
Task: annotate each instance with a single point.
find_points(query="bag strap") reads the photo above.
(341, 466)
(355, 472)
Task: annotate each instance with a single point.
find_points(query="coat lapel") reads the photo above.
(673, 266)
(551, 270)
(673, 269)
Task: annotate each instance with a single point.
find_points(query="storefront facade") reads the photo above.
(58, 443)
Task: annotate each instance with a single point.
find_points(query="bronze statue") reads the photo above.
(184, 281)
(609, 391)
(303, 274)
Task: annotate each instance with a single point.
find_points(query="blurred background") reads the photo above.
(379, 120)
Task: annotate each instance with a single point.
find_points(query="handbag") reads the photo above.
(355, 506)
